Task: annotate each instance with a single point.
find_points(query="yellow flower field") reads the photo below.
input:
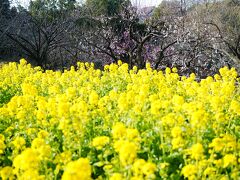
(118, 124)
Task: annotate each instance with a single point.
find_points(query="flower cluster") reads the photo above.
(118, 123)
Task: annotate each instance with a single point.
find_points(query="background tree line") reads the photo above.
(192, 35)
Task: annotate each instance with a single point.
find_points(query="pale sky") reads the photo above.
(142, 3)
(146, 2)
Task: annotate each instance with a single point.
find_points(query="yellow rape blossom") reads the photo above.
(32, 174)
(7, 173)
(229, 159)
(177, 143)
(77, 170)
(116, 176)
(132, 134)
(127, 153)
(19, 142)
(197, 151)
(29, 89)
(123, 120)
(137, 167)
(43, 134)
(176, 132)
(149, 169)
(93, 98)
(118, 130)
(209, 171)
(235, 107)
(2, 144)
(28, 159)
(189, 171)
(100, 141)
(42, 148)
(63, 158)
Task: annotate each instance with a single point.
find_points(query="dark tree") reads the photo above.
(4, 8)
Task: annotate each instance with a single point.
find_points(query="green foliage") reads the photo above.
(88, 23)
(51, 8)
(6, 95)
(106, 7)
